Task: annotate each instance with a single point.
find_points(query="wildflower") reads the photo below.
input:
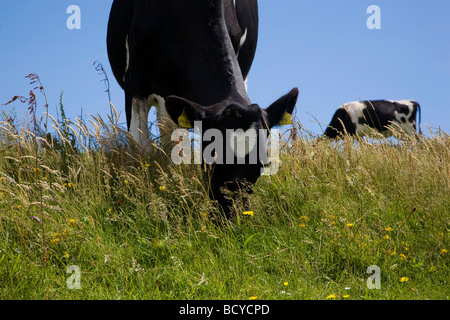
(125, 181)
(253, 298)
(302, 225)
(331, 296)
(304, 218)
(286, 283)
(443, 251)
(388, 229)
(350, 225)
(69, 185)
(36, 170)
(346, 296)
(54, 241)
(386, 237)
(248, 213)
(72, 222)
(66, 255)
(162, 188)
(405, 245)
(402, 256)
(147, 165)
(404, 279)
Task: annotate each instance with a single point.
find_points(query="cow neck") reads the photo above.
(212, 65)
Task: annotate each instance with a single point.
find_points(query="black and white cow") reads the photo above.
(362, 118)
(190, 59)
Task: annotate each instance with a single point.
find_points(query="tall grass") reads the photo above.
(141, 228)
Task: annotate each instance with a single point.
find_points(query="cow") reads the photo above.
(191, 59)
(361, 118)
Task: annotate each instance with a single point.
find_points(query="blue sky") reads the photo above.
(321, 46)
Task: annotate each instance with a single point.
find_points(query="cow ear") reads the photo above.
(280, 112)
(183, 112)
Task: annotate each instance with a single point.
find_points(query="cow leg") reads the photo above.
(165, 124)
(138, 126)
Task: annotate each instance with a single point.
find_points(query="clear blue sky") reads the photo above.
(321, 46)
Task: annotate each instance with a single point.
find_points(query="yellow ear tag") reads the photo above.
(183, 120)
(286, 119)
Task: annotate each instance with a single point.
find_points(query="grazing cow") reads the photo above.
(361, 118)
(190, 59)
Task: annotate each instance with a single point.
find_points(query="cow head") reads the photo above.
(243, 136)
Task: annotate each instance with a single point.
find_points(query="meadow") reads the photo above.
(139, 227)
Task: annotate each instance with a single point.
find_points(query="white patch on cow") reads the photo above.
(355, 111)
(242, 41)
(165, 123)
(140, 109)
(407, 126)
(139, 122)
(127, 63)
(243, 38)
(242, 142)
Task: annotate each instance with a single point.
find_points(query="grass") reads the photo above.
(140, 228)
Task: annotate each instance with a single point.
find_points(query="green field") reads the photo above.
(141, 228)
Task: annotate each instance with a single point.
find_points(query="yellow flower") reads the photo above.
(147, 165)
(54, 241)
(346, 296)
(253, 298)
(386, 237)
(302, 225)
(388, 229)
(331, 296)
(162, 188)
(402, 256)
(350, 225)
(286, 283)
(125, 181)
(404, 279)
(248, 213)
(66, 255)
(304, 218)
(72, 222)
(443, 251)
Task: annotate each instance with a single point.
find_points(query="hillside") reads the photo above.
(141, 228)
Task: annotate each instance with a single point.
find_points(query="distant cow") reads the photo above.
(361, 118)
(190, 59)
